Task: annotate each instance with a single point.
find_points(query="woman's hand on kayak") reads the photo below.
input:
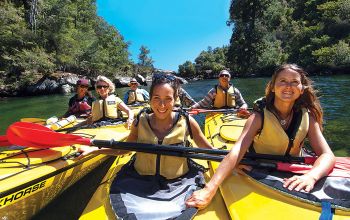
(200, 198)
(129, 123)
(305, 182)
(85, 150)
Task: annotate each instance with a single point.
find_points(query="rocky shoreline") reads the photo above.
(60, 83)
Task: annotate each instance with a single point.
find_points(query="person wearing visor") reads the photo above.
(135, 95)
(223, 95)
(107, 106)
(80, 104)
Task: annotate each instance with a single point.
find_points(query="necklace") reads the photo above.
(285, 121)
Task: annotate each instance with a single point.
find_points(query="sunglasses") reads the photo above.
(102, 86)
(133, 84)
(224, 75)
(159, 76)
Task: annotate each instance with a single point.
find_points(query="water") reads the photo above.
(334, 93)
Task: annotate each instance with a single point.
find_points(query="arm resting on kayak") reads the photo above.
(322, 166)
(123, 107)
(202, 198)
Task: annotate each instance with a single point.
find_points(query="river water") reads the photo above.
(334, 94)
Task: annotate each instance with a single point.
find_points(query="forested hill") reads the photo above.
(38, 38)
(265, 33)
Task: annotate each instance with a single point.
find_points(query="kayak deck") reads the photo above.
(99, 205)
(31, 178)
(245, 197)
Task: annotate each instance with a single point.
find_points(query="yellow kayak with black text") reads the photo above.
(31, 178)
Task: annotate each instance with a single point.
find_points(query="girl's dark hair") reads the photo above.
(159, 79)
(308, 99)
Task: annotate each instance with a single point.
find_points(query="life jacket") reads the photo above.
(168, 166)
(274, 140)
(135, 96)
(224, 98)
(80, 107)
(106, 108)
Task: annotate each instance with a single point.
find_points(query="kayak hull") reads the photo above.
(32, 178)
(33, 189)
(245, 197)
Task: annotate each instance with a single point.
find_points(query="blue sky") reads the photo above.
(174, 31)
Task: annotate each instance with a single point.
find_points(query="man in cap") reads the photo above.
(223, 95)
(80, 104)
(135, 95)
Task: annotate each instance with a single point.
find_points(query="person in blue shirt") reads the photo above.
(135, 95)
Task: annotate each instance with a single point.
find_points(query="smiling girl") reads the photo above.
(155, 186)
(292, 113)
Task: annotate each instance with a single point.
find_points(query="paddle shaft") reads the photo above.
(34, 135)
(199, 111)
(187, 150)
(84, 125)
(169, 151)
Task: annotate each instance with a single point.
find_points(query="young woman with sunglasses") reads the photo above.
(107, 106)
(80, 104)
(162, 182)
(291, 109)
(223, 95)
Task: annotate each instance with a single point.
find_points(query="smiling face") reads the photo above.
(133, 85)
(224, 80)
(288, 86)
(81, 90)
(162, 100)
(102, 89)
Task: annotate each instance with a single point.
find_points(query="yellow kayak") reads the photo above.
(136, 108)
(92, 190)
(30, 178)
(99, 206)
(245, 197)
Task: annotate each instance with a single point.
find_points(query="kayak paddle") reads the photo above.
(34, 120)
(196, 111)
(34, 135)
(4, 141)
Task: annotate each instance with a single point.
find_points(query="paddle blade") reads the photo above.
(4, 141)
(305, 168)
(35, 135)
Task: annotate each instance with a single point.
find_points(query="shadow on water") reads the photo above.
(333, 93)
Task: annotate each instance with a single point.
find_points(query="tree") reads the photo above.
(212, 61)
(246, 44)
(145, 64)
(187, 69)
